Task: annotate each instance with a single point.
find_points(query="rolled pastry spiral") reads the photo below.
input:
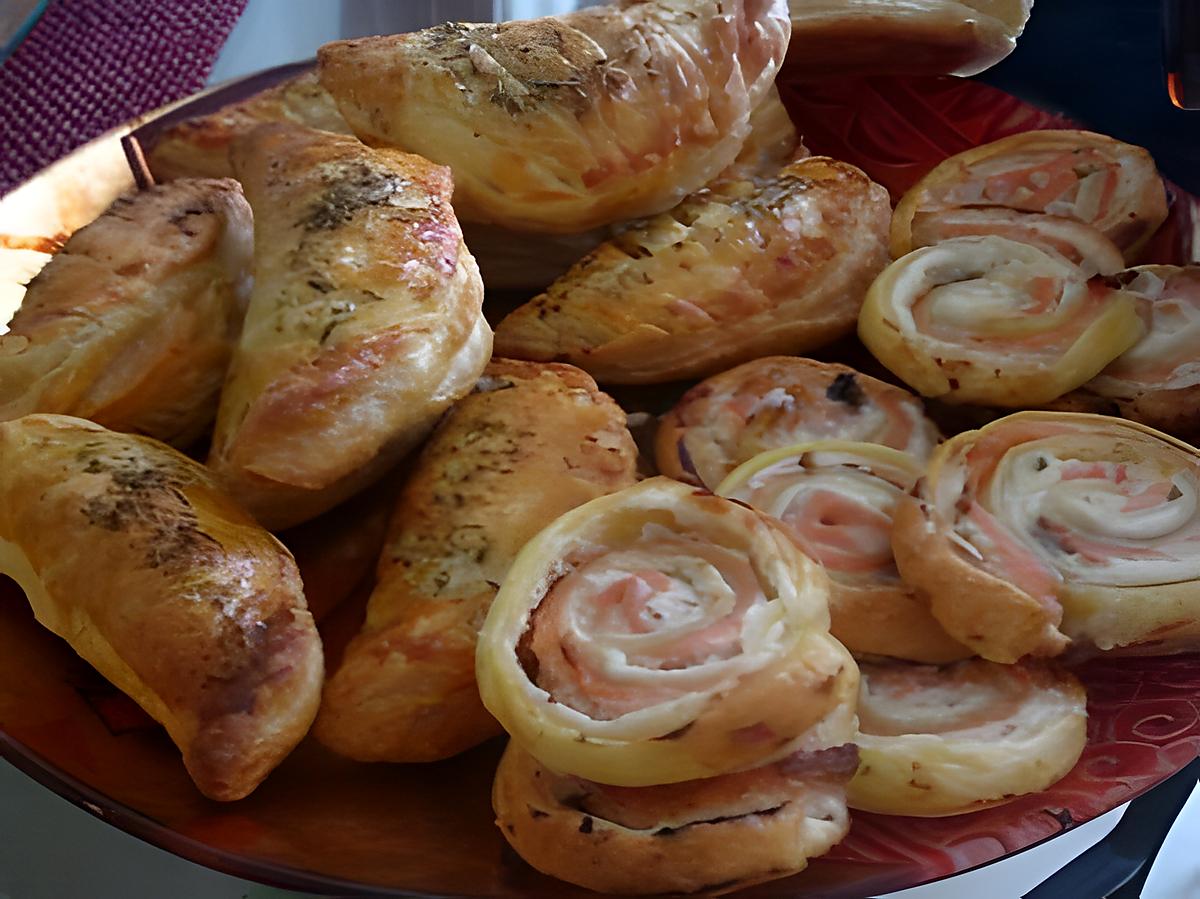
(1043, 528)
(658, 635)
(992, 321)
(945, 741)
(1075, 192)
(568, 122)
(128, 551)
(778, 401)
(836, 499)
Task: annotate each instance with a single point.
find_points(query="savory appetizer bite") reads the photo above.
(779, 401)
(661, 634)
(944, 741)
(569, 122)
(133, 322)
(916, 37)
(364, 324)
(1036, 187)
(1043, 529)
(991, 321)
(130, 552)
(741, 270)
(532, 442)
(836, 498)
(199, 147)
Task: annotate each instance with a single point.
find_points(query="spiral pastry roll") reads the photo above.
(133, 322)
(836, 499)
(1045, 527)
(991, 321)
(569, 122)
(743, 269)
(658, 635)
(531, 442)
(779, 401)
(944, 741)
(1038, 187)
(129, 551)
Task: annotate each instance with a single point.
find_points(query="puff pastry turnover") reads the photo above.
(131, 553)
(364, 324)
(532, 442)
(133, 322)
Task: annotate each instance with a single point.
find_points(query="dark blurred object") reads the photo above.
(1181, 51)
(16, 18)
(1101, 62)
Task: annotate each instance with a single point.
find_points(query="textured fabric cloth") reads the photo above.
(89, 65)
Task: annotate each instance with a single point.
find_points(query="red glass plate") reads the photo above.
(326, 824)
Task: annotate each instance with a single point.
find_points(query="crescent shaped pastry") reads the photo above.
(658, 635)
(991, 321)
(199, 147)
(130, 552)
(836, 499)
(741, 270)
(916, 37)
(569, 122)
(364, 324)
(1045, 176)
(779, 401)
(945, 741)
(712, 836)
(532, 442)
(133, 322)
(1045, 527)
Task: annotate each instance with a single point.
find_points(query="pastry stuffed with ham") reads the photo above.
(530, 443)
(364, 324)
(133, 322)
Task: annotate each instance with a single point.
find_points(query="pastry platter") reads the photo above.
(325, 823)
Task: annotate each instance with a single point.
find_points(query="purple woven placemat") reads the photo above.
(89, 65)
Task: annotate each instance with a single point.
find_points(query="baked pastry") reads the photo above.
(779, 401)
(569, 122)
(916, 37)
(533, 441)
(1157, 381)
(945, 741)
(364, 324)
(199, 147)
(741, 270)
(1043, 177)
(133, 322)
(711, 836)
(836, 498)
(131, 553)
(991, 321)
(1045, 528)
(661, 634)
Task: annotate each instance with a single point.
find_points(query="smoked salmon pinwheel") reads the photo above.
(658, 635)
(568, 122)
(836, 499)
(1157, 382)
(1074, 192)
(778, 401)
(991, 321)
(1044, 528)
(944, 741)
(741, 270)
(529, 443)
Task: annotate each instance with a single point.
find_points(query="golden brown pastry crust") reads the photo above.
(778, 401)
(133, 322)
(569, 122)
(532, 442)
(130, 552)
(364, 324)
(199, 148)
(741, 270)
